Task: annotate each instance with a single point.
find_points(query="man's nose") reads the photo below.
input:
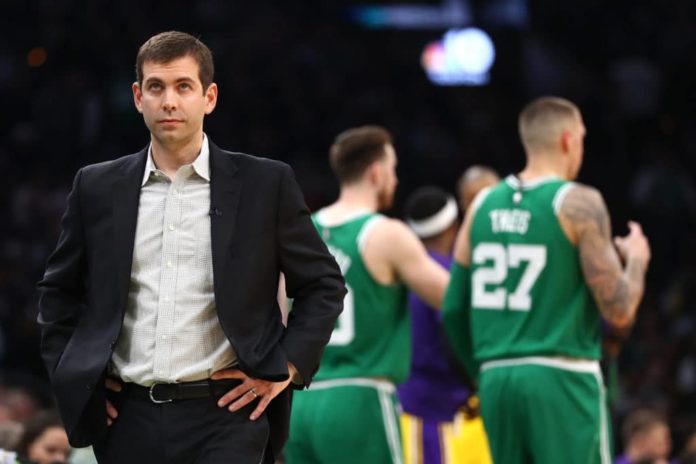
(169, 102)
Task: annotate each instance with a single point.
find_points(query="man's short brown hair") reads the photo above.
(640, 421)
(541, 120)
(169, 46)
(354, 150)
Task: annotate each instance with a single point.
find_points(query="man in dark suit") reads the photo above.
(161, 330)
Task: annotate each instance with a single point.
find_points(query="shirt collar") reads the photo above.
(201, 164)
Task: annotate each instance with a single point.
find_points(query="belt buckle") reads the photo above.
(152, 397)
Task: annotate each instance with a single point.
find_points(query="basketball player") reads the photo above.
(349, 414)
(438, 424)
(472, 181)
(535, 268)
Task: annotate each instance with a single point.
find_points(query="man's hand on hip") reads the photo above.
(250, 389)
(111, 412)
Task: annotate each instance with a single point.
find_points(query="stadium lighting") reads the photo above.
(461, 57)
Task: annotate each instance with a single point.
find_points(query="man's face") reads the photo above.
(50, 447)
(387, 188)
(657, 443)
(173, 101)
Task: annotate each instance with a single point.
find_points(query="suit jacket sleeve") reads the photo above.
(313, 280)
(63, 289)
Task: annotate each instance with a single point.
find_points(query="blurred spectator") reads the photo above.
(472, 181)
(44, 441)
(688, 453)
(16, 404)
(646, 438)
(10, 434)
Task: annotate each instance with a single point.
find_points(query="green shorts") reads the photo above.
(345, 421)
(545, 411)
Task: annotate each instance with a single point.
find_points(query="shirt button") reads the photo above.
(166, 298)
(163, 337)
(171, 227)
(169, 264)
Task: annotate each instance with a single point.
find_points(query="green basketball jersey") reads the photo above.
(372, 336)
(528, 294)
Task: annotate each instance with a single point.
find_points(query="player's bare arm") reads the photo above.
(617, 289)
(395, 246)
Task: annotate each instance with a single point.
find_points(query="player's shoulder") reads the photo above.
(581, 207)
(391, 233)
(386, 224)
(574, 195)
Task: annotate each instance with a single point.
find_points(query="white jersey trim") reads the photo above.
(560, 196)
(391, 428)
(604, 451)
(378, 384)
(585, 366)
(478, 200)
(321, 219)
(366, 229)
(515, 183)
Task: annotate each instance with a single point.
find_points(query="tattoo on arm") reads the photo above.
(616, 290)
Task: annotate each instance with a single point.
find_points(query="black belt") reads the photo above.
(168, 392)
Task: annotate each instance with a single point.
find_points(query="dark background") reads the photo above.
(294, 74)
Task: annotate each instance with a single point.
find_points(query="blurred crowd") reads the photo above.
(294, 74)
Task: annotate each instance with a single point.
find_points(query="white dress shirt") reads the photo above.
(171, 331)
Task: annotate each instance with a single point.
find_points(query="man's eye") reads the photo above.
(155, 87)
(184, 86)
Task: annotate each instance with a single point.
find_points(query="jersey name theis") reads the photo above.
(514, 221)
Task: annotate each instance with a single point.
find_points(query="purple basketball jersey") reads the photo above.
(433, 391)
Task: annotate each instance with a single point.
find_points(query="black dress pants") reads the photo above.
(194, 431)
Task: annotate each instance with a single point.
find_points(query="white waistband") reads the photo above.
(587, 366)
(379, 384)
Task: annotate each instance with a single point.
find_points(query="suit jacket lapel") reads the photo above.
(224, 201)
(126, 198)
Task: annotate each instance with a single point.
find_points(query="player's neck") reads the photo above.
(542, 167)
(357, 198)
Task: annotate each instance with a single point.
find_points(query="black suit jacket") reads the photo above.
(260, 226)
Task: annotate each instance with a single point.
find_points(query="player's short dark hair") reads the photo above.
(354, 150)
(169, 46)
(423, 205)
(639, 421)
(424, 202)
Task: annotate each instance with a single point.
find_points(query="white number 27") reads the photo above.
(505, 258)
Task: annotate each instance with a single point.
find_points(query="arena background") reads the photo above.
(294, 74)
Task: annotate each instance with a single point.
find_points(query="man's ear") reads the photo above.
(211, 95)
(565, 140)
(374, 173)
(137, 97)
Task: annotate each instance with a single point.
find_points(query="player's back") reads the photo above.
(528, 294)
(371, 338)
